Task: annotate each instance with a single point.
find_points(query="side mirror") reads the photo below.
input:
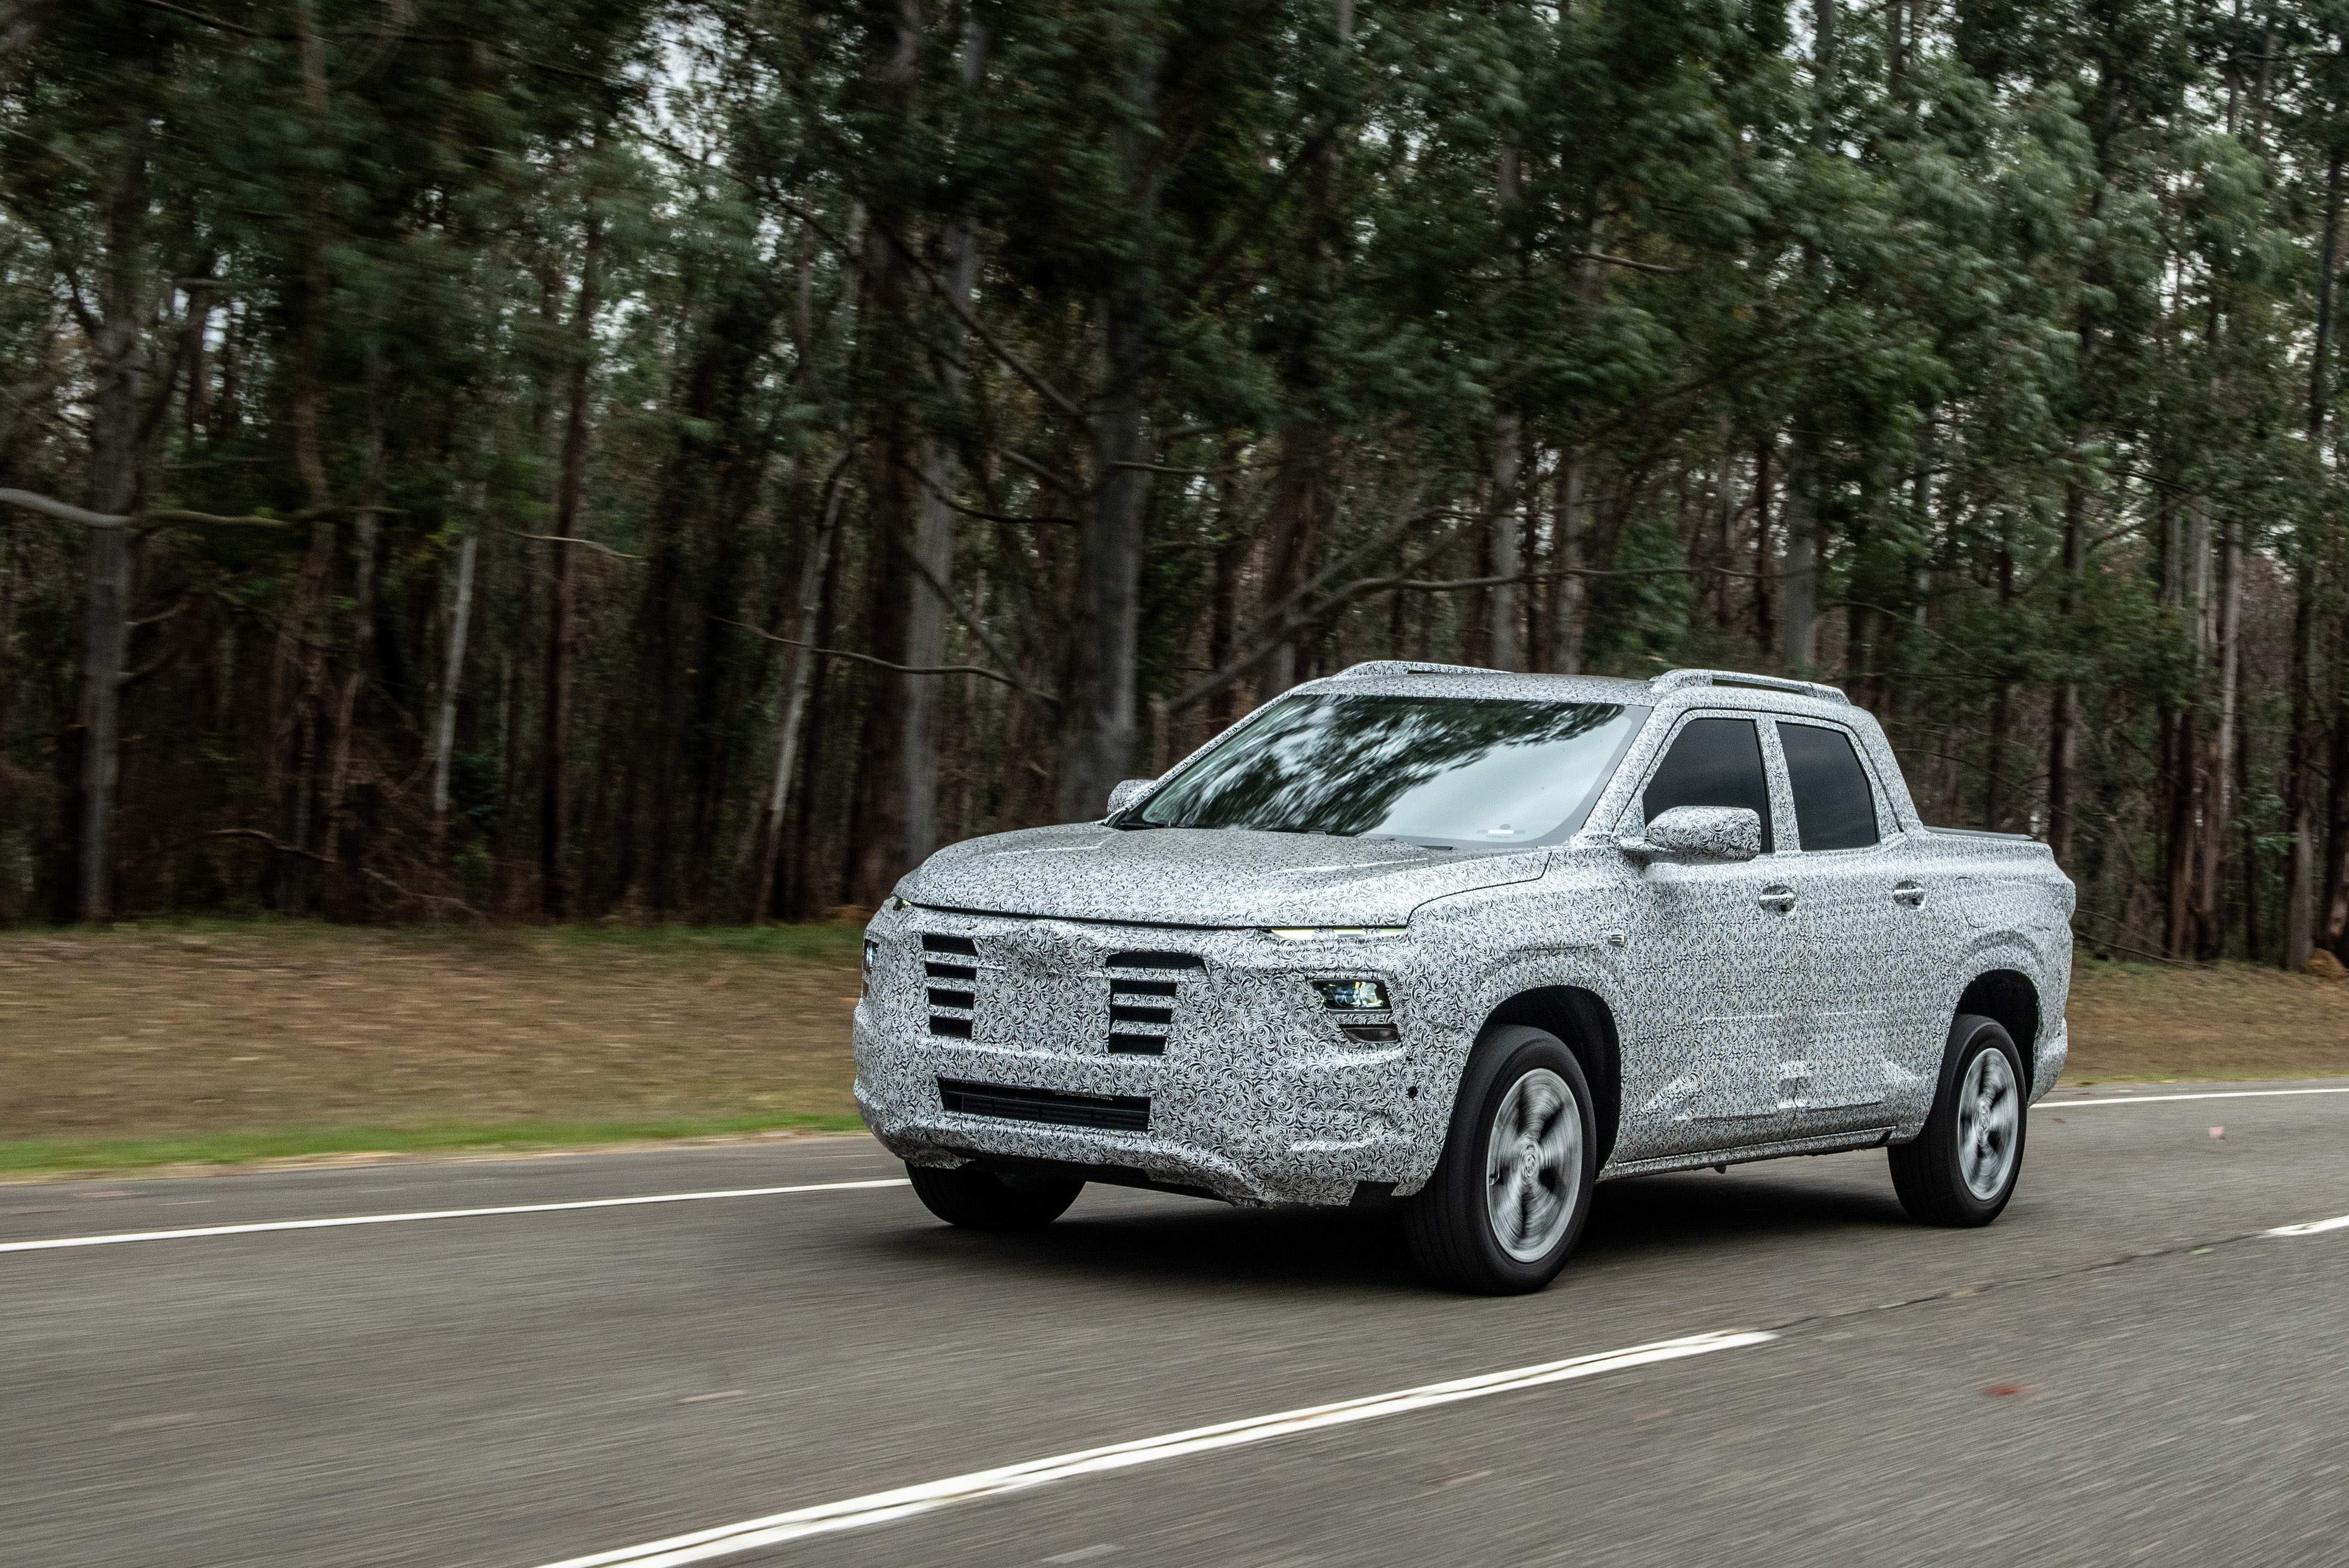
(1133, 789)
(1699, 835)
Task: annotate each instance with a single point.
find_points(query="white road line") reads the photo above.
(118, 1237)
(880, 1507)
(2164, 1099)
(2312, 1227)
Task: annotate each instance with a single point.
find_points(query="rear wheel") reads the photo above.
(1508, 1199)
(992, 1200)
(1962, 1170)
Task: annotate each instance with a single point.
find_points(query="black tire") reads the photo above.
(1449, 1223)
(1930, 1174)
(983, 1200)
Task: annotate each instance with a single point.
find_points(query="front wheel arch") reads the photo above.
(1583, 1021)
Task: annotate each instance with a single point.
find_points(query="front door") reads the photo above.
(1713, 949)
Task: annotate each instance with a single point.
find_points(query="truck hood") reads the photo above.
(1204, 876)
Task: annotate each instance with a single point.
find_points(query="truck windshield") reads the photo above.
(1461, 772)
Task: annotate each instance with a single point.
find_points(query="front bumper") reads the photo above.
(1254, 1093)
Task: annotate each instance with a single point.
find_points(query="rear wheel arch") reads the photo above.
(1582, 1019)
(2011, 998)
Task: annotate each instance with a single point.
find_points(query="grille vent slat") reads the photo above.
(1123, 1015)
(933, 943)
(1126, 1113)
(1142, 987)
(1123, 1045)
(946, 1024)
(950, 971)
(943, 998)
(1139, 960)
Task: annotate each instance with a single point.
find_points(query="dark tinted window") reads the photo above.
(1452, 770)
(1834, 808)
(1713, 762)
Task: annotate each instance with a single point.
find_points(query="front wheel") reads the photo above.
(984, 1200)
(1509, 1197)
(1962, 1170)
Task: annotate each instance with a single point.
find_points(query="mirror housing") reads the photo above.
(1699, 835)
(1132, 789)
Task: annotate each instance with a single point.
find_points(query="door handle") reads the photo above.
(1778, 897)
(1909, 893)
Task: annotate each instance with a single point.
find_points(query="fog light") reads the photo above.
(1352, 995)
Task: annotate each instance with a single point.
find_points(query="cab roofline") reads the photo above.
(1668, 681)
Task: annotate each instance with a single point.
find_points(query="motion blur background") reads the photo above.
(687, 460)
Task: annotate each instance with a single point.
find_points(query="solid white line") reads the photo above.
(880, 1507)
(2219, 1094)
(2312, 1227)
(117, 1237)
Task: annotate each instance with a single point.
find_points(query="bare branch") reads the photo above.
(591, 544)
(979, 670)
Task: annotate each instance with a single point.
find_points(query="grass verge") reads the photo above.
(57, 1156)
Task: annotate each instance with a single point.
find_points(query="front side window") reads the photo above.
(1713, 762)
(1461, 772)
(1834, 808)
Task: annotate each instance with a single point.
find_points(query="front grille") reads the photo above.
(954, 1006)
(1122, 1113)
(1142, 1012)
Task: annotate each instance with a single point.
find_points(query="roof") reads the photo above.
(1407, 676)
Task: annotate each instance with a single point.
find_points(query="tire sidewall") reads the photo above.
(1500, 1059)
(1976, 1035)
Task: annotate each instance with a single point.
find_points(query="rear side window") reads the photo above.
(1833, 807)
(1713, 762)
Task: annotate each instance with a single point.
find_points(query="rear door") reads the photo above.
(1713, 951)
(1856, 921)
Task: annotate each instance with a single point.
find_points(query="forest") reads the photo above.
(616, 459)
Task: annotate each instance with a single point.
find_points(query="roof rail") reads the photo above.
(1383, 667)
(1673, 680)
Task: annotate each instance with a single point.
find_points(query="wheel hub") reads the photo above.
(1534, 1165)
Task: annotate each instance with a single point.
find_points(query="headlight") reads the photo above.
(865, 984)
(1326, 933)
(1352, 995)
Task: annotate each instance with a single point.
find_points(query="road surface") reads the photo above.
(1767, 1367)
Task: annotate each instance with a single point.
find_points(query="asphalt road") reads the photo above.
(2127, 1368)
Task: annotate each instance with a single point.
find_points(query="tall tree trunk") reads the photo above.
(885, 340)
(2064, 709)
(1566, 596)
(2336, 924)
(1230, 558)
(2300, 787)
(2299, 783)
(1100, 707)
(1799, 595)
(934, 527)
(1504, 549)
(2219, 793)
(115, 468)
(444, 723)
(554, 788)
(1764, 548)
(813, 571)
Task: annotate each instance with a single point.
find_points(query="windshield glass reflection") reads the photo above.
(1450, 770)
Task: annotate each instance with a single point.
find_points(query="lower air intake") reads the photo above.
(1122, 1113)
